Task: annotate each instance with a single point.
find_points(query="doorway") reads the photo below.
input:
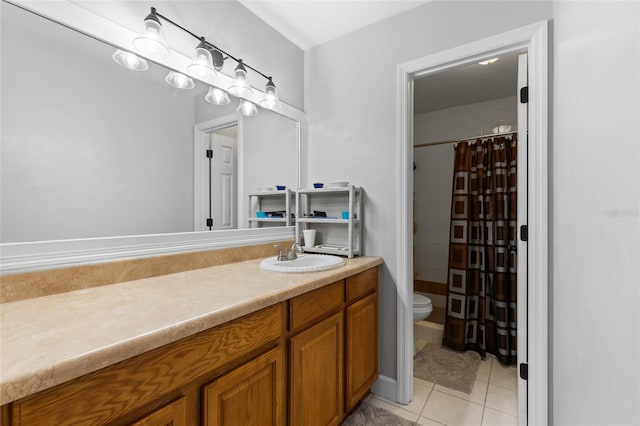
(216, 146)
(465, 150)
(533, 40)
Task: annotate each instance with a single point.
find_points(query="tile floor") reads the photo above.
(493, 400)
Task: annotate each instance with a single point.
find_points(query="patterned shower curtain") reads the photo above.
(482, 283)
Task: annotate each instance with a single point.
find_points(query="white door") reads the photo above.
(224, 184)
(522, 245)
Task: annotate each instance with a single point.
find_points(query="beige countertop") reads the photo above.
(49, 340)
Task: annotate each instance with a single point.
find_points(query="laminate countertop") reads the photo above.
(49, 340)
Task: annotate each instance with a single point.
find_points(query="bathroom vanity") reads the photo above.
(229, 344)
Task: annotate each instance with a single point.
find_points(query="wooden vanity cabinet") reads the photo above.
(316, 357)
(162, 386)
(334, 359)
(361, 333)
(306, 361)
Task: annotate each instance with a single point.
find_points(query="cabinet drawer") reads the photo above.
(313, 306)
(361, 284)
(110, 393)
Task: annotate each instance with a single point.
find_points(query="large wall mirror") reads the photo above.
(92, 150)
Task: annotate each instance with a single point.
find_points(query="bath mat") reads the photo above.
(368, 414)
(455, 370)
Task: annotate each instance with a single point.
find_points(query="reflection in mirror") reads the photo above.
(92, 149)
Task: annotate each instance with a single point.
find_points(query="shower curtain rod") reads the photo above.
(421, 145)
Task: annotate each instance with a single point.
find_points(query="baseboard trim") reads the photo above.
(385, 387)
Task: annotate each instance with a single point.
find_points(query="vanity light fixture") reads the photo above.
(152, 42)
(270, 100)
(240, 86)
(247, 108)
(217, 96)
(207, 60)
(488, 61)
(130, 60)
(179, 80)
(202, 64)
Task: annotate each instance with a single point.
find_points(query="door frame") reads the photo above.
(200, 165)
(532, 39)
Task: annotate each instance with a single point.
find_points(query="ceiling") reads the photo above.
(466, 84)
(309, 23)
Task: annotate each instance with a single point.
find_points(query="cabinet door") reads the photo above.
(174, 414)
(316, 386)
(362, 348)
(251, 395)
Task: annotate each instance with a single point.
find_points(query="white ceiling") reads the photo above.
(466, 84)
(309, 23)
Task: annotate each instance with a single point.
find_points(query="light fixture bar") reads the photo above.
(212, 46)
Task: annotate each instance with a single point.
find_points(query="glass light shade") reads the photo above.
(240, 86)
(179, 80)
(488, 61)
(217, 96)
(270, 100)
(247, 108)
(152, 42)
(502, 128)
(130, 60)
(201, 65)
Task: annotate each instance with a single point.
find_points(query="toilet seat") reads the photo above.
(421, 301)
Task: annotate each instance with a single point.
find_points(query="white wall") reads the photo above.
(594, 182)
(595, 190)
(465, 121)
(350, 99)
(433, 176)
(433, 179)
(270, 155)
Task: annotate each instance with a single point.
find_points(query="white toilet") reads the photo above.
(421, 307)
(421, 310)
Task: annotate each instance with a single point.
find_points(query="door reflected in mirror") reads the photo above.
(92, 149)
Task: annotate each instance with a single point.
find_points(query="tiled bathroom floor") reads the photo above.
(493, 400)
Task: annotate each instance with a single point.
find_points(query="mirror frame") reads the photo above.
(43, 255)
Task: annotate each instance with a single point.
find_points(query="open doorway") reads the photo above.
(464, 227)
(532, 361)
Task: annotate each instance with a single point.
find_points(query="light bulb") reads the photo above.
(179, 80)
(240, 86)
(217, 96)
(152, 42)
(130, 60)
(247, 108)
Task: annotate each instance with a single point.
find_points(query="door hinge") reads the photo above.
(524, 95)
(524, 233)
(209, 153)
(209, 222)
(524, 371)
